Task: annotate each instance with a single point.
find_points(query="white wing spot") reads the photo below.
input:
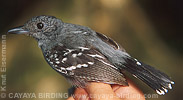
(138, 63)
(69, 51)
(83, 48)
(51, 56)
(91, 63)
(71, 68)
(74, 55)
(134, 76)
(96, 55)
(64, 59)
(55, 55)
(57, 62)
(77, 32)
(79, 54)
(62, 70)
(84, 32)
(81, 65)
(78, 66)
(85, 65)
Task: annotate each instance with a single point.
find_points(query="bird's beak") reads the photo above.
(18, 30)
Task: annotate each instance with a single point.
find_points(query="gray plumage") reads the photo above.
(83, 55)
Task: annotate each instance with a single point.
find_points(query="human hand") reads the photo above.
(102, 91)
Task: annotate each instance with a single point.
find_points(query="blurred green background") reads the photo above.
(150, 30)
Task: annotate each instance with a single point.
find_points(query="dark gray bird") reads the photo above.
(82, 55)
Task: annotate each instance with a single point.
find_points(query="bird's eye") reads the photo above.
(40, 25)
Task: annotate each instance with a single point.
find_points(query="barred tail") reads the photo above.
(157, 80)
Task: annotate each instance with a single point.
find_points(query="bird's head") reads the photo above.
(40, 28)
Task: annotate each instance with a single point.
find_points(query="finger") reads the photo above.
(130, 92)
(80, 94)
(98, 91)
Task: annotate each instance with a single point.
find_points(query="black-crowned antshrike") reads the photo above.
(82, 55)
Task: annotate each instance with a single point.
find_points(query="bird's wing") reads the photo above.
(157, 80)
(109, 41)
(84, 64)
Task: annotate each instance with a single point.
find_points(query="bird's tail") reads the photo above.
(157, 80)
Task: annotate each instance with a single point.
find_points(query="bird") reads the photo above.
(83, 55)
